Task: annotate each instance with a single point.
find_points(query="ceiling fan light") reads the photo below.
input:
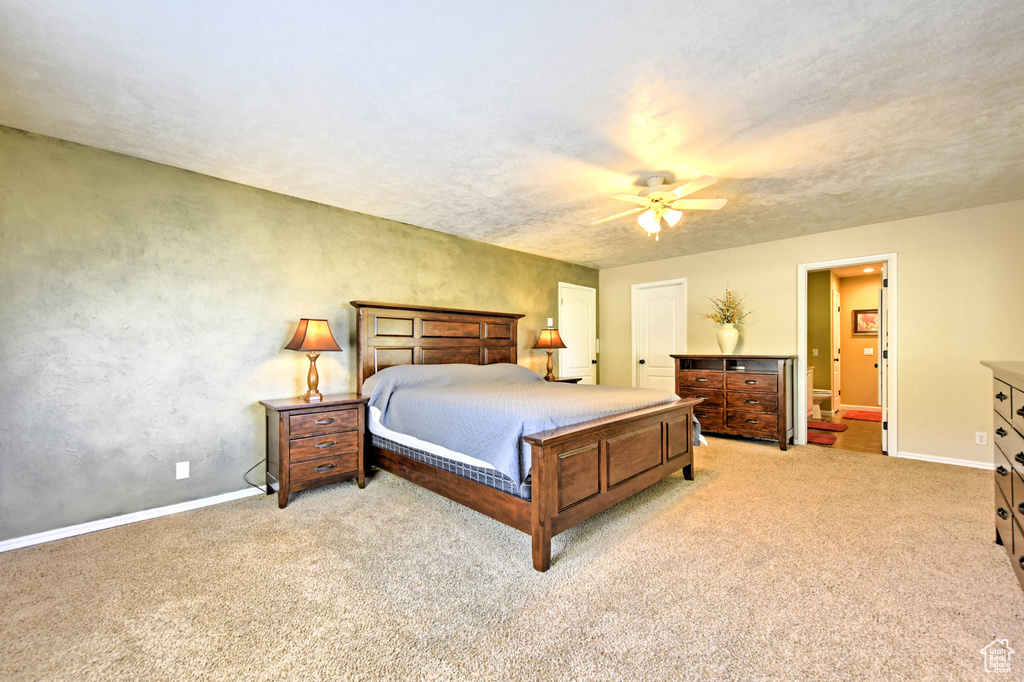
(672, 217)
(649, 221)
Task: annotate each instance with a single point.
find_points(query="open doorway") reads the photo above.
(847, 364)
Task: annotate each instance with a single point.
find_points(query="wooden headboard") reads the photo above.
(389, 334)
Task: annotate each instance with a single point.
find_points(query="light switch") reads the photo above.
(869, 351)
(814, 352)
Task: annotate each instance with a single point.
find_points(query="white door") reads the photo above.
(883, 359)
(577, 325)
(659, 329)
(836, 338)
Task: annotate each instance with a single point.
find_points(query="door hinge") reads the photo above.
(885, 354)
(885, 426)
(885, 282)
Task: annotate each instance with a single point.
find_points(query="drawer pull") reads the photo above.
(1019, 457)
(1000, 431)
(1021, 507)
(1001, 470)
(750, 381)
(700, 379)
(751, 402)
(1001, 513)
(751, 421)
(325, 467)
(1020, 412)
(1020, 560)
(325, 422)
(1001, 396)
(325, 444)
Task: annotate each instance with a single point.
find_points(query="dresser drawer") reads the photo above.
(323, 422)
(695, 378)
(1013, 447)
(1001, 398)
(767, 424)
(1018, 553)
(1017, 405)
(1017, 499)
(713, 400)
(752, 402)
(325, 467)
(755, 383)
(1004, 522)
(710, 420)
(323, 445)
(1004, 435)
(1002, 474)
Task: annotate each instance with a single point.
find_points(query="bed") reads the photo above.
(575, 471)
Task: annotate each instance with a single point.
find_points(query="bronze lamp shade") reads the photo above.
(549, 340)
(313, 335)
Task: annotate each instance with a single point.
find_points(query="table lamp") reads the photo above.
(312, 336)
(549, 340)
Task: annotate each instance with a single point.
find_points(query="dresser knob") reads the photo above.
(1001, 513)
(325, 444)
(1001, 396)
(1019, 457)
(1001, 470)
(1001, 431)
(324, 422)
(325, 467)
(1020, 412)
(1020, 560)
(1020, 507)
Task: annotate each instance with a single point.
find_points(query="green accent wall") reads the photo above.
(146, 308)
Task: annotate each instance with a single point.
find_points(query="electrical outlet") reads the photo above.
(814, 352)
(869, 351)
(981, 438)
(181, 470)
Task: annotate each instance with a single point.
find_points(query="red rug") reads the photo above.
(827, 426)
(863, 416)
(819, 438)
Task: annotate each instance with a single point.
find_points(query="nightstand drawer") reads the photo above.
(325, 467)
(323, 445)
(327, 421)
(753, 402)
(767, 424)
(747, 381)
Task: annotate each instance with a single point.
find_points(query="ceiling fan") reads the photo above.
(658, 205)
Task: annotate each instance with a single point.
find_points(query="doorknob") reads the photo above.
(593, 362)
(641, 362)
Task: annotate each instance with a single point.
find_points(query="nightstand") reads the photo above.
(312, 444)
(568, 380)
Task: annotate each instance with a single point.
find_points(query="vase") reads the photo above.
(728, 337)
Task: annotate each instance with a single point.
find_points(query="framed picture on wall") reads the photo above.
(865, 322)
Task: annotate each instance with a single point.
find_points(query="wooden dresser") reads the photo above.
(1008, 416)
(744, 395)
(313, 444)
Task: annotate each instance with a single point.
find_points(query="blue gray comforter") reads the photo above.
(484, 411)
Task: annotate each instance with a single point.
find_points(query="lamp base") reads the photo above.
(550, 376)
(316, 397)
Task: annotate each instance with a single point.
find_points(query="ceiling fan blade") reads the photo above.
(619, 215)
(694, 185)
(698, 204)
(631, 197)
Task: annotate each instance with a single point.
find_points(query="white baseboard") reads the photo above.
(862, 408)
(973, 463)
(113, 521)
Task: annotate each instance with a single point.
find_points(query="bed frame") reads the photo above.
(578, 470)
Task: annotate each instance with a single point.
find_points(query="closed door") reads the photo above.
(836, 338)
(659, 331)
(577, 325)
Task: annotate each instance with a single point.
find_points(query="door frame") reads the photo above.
(800, 435)
(634, 290)
(562, 286)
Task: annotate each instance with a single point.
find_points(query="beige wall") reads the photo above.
(957, 274)
(859, 380)
(819, 327)
(145, 310)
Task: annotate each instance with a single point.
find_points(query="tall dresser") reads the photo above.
(744, 395)
(1008, 414)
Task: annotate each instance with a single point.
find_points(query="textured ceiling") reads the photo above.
(511, 122)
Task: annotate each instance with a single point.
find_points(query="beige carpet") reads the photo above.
(808, 564)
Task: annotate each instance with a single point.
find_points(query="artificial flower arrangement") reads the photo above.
(726, 310)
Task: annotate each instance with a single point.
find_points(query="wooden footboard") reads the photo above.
(583, 469)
